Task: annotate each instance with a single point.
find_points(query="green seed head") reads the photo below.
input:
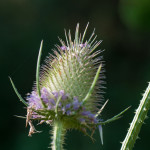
(72, 68)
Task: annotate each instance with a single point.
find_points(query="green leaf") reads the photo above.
(38, 72)
(19, 96)
(116, 117)
(93, 84)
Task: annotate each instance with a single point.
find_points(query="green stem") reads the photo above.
(56, 109)
(58, 135)
(138, 120)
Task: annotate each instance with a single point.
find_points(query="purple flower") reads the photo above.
(82, 120)
(34, 100)
(52, 101)
(63, 48)
(45, 91)
(81, 45)
(49, 107)
(55, 94)
(61, 92)
(69, 112)
(59, 104)
(91, 116)
(84, 45)
(63, 110)
(68, 106)
(51, 104)
(75, 98)
(85, 113)
(94, 120)
(45, 94)
(63, 95)
(76, 105)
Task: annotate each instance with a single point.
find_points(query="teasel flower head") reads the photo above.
(68, 89)
(65, 85)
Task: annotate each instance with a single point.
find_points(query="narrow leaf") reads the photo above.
(38, 72)
(116, 117)
(17, 93)
(93, 84)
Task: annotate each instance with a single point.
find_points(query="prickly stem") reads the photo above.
(138, 120)
(58, 136)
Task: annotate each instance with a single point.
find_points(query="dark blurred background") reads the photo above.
(124, 27)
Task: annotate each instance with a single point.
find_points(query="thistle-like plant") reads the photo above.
(68, 89)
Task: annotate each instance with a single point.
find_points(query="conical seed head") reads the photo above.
(72, 68)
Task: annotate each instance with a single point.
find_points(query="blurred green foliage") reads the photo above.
(136, 14)
(124, 28)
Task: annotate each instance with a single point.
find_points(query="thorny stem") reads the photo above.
(58, 136)
(138, 120)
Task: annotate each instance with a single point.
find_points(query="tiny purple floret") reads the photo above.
(63, 95)
(76, 105)
(68, 112)
(82, 120)
(75, 98)
(68, 106)
(63, 48)
(34, 100)
(55, 94)
(85, 113)
(52, 101)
